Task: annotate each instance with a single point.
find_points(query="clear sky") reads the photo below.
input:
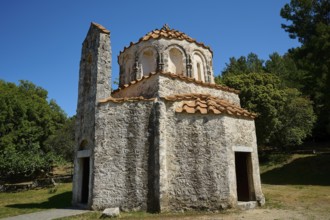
(40, 41)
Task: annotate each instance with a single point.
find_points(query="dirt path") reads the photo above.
(252, 214)
(265, 214)
(262, 214)
(48, 214)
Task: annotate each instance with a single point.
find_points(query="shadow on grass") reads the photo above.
(62, 200)
(313, 170)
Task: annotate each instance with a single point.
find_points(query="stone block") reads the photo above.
(110, 213)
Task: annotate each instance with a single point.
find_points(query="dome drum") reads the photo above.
(156, 52)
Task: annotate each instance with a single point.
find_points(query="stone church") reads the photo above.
(169, 138)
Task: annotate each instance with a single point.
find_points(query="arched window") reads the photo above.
(148, 62)
(175, 64)
(198, 68)
(199, 73)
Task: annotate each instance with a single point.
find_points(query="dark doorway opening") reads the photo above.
(85, 180)
(244, 180)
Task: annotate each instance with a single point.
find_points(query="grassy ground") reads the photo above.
(298, 197)
(301, 182)
(18, 203)
(299, 169)
(149, 216)
(63, 170)
(298, 183)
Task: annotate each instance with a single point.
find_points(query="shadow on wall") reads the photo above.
(62, 200)
(313, 170)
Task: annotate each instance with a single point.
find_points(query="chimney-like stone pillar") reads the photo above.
(94, 84)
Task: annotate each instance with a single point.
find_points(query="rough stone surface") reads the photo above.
(200, 162)
(247, 205)
(121, 169)
(169, 86)
(94, 76)
(161, 86)
(241, 132)
(145, 156)
(131, 63)
(111, 212)
(146, 88)
(197, 164)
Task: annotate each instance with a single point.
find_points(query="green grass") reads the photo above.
(297, 197)
(311, 169)
(299, 182)
(296, 182)
(18, 203)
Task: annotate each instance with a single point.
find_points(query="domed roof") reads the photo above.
(167, 33)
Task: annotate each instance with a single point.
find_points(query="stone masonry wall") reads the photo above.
(161, 86)
(146, 88)
(169, 86)
(162, 46)
(145, 156)
(123, 171)
(197, 163)
(94, 76)
(241, 133)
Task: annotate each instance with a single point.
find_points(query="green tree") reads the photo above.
(27, 119)
(63, 140)
(286, 69)
(309, 22)
(285, 118)
(297, 119)
(243, 65)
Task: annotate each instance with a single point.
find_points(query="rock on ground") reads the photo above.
(111, 212)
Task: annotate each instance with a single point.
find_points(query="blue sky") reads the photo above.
(40, 41)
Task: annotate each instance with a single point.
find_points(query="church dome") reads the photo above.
(167, 33)
(166, 50)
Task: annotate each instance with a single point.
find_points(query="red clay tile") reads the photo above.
(101, 28)
(125, 99)
(205, 103)
(165, 32)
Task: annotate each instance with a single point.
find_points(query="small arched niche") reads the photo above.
(175, 63)
(198, 67)
(83, 145)
(148, 61)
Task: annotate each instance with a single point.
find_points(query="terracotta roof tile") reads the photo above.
(166, 32)
(205, 103)
(101, 28)
(182, 78)
(125, 99)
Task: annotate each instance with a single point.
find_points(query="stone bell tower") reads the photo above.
(94, 84)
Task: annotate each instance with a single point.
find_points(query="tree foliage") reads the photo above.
(286, 69)
(63, 140)
(307, 67)
(307, 17)
(285, 118)
(309, 22)
(244, 65)
(27, 120)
